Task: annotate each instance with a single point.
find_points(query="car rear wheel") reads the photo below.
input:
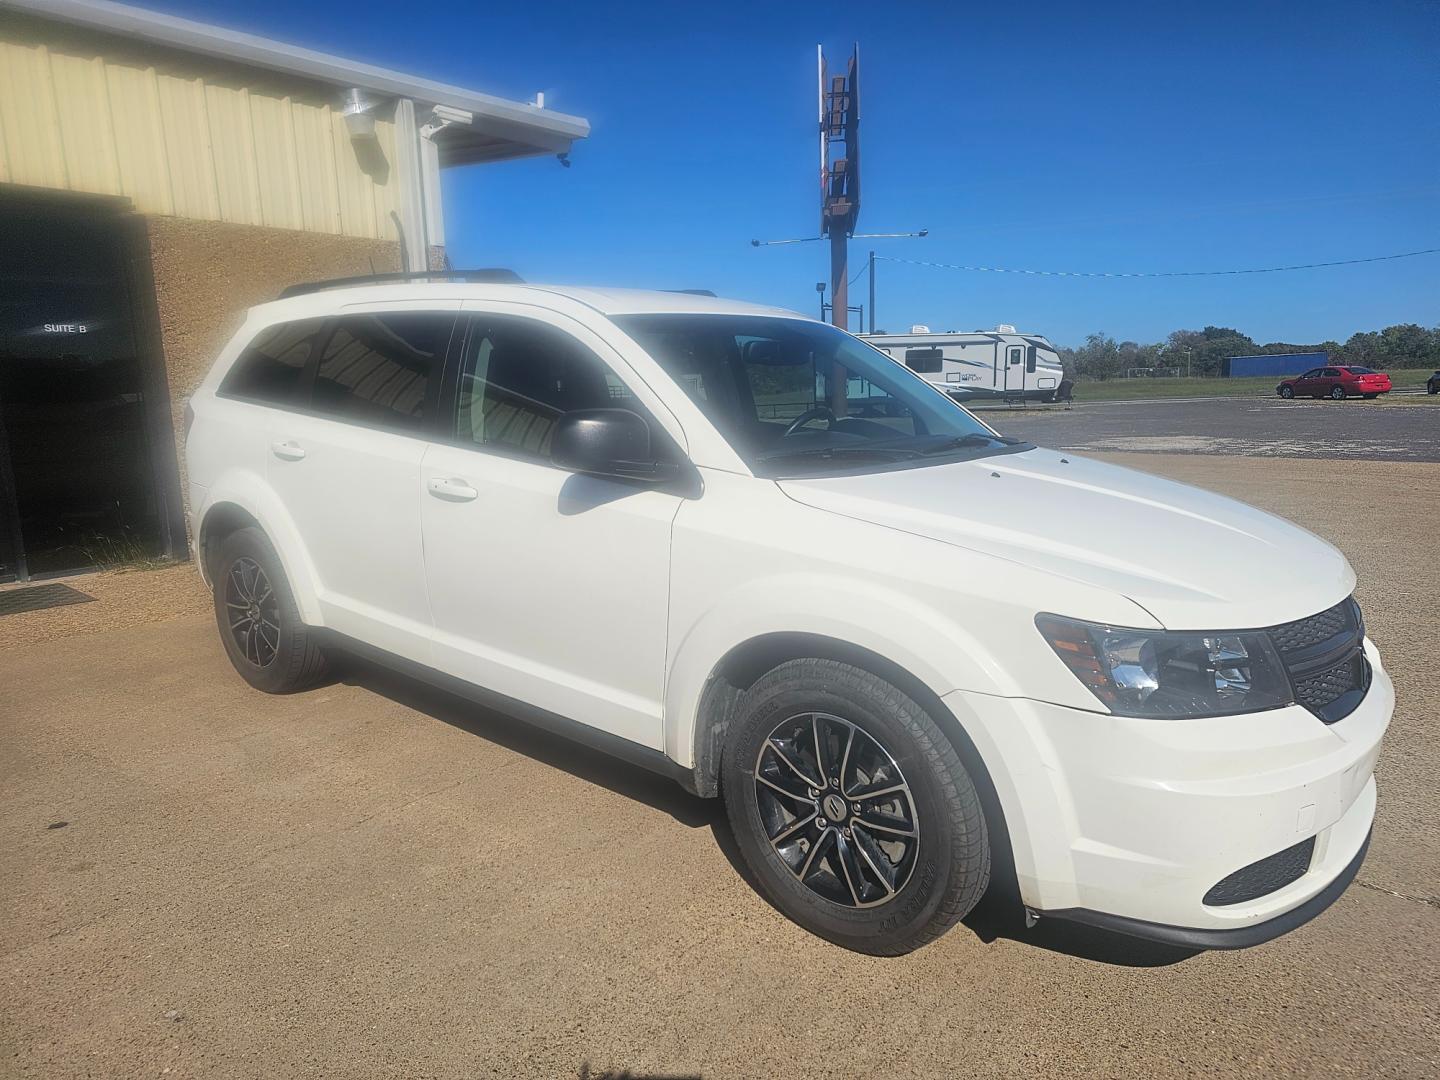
(852, 809)
(259, 621)
(1287, 391)
(1337, 393)
(1369, 397)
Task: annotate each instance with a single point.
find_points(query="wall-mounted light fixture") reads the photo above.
(359, 117)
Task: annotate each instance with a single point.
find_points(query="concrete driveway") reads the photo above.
(376, 880)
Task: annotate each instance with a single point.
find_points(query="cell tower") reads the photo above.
(839, 103)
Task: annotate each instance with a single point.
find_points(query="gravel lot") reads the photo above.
(375, 880)
(1390, 429)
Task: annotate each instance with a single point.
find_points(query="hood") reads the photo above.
(1194, 560)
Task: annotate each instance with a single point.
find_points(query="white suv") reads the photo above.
(746, 549)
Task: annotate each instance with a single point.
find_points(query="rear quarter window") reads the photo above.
(270, 368)
(383, 370)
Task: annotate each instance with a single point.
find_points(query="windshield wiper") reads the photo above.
(975, 438)
(825, 452)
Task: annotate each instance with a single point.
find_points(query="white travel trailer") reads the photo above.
(999, 363)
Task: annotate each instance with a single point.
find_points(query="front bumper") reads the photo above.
(1239, 937)
(1128, 823)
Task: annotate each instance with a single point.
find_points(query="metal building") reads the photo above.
(157, 177)
(1278, 364)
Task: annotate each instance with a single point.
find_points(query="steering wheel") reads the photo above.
(805, 417)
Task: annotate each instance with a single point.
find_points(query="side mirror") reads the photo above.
(608, 442)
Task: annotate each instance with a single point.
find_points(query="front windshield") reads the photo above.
(794, 396)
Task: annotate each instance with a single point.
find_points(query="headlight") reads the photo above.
(1165, 675)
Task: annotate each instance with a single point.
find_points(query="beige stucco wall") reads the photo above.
(207, 273)
(179, 134)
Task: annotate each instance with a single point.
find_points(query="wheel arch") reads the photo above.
(747, 661)
(238, 505)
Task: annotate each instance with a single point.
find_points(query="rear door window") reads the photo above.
(383, 369)
(270, 371)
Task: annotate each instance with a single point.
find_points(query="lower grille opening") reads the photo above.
(1261, 878)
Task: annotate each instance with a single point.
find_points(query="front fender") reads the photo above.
(934, 649)
(242, 488)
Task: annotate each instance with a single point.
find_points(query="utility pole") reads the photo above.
(870, 273)
(839, 107)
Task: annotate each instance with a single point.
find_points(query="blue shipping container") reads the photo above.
(1295, 363)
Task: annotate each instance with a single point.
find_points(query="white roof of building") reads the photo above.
(499, 129)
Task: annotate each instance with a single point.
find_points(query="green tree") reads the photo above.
(1204, 351)
(1407, 345)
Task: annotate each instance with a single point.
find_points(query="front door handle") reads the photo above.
(452, 490)
(289, 450)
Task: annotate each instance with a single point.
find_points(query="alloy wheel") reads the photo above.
(253, 611)
(837, 810)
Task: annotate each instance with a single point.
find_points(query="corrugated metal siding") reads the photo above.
(1274, 364)
(175, 140)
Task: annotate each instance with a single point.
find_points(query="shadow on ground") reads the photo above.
(998, 915)
(578, 760)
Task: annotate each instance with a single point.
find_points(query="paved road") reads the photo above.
(375, 880)
(1385, 430)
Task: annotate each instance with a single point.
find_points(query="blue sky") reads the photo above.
(1101, 137)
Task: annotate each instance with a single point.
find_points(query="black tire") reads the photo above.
(1287, 392)
(934, 883)
(279, 660)
(1337, 393)
(1369, 397)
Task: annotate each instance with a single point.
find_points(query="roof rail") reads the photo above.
(692, 292)
(493, 275)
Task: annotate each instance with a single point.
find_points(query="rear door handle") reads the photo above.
(288, 450)
(452, 490)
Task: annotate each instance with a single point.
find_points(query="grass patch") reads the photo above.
(1131, 389)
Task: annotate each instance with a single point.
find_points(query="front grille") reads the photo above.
(1325, 659)
(1303, 633)
(1324, 687)
(1263, 877)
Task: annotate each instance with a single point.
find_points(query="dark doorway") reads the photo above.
(78, 482)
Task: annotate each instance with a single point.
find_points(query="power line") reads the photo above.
(858, 276)
(1157, 274)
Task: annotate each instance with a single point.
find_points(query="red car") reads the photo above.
(1336, 382)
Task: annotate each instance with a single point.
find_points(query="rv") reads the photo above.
(999, 363)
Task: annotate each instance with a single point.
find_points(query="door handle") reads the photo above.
(289, 450)
(452, 490)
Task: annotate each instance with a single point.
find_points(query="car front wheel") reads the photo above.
(1287, 392)
(852, 809)
(258, 619)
